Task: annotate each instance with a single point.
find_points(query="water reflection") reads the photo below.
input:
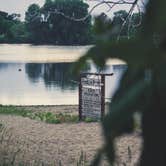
(53, 74)
(46, 83)
(34, 71)
(119, 68)
(3, 66)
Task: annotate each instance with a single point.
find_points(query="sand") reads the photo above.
(55, 144)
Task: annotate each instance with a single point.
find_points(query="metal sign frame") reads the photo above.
(100, 84)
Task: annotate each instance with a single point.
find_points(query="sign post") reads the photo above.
(92, 95)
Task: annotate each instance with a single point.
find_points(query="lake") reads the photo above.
(39, 75)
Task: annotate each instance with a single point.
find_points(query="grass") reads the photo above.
(47, 117)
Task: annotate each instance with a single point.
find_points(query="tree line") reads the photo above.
(56, 22)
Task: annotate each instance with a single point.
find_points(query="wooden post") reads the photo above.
(102, 95)
(80, 98)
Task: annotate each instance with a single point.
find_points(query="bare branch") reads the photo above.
(111, 4)
(128, 16)
(140, 17)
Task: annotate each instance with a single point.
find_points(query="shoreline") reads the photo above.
(61, 105)
(70, 109)
(56, 109)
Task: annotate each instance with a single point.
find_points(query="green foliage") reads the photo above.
(12, 30)
(48, 117)
(89, 120)
(19, 32)
(142, 88)
(33, 13)
(102, 24)
(33, 23)
(54, 22)
(120, 25)
(118, 21)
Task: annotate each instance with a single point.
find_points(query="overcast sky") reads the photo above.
(20, 6)
(17, 6)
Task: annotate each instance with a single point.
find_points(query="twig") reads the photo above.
(128, 16)
(56, 11)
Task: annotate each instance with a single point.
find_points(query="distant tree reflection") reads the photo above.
(3, 66)
(53, 74)
(34, 71)
(58, 74)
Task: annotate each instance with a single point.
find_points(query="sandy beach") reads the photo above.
(54, 144)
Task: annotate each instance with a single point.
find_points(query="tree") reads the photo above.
(143, 86)
(7, 21)
(19, 33)
(71, 31)
(118, 20)
(56, 22)
(33, 23)
(126, 27)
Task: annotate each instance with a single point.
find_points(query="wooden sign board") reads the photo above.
(92, 95)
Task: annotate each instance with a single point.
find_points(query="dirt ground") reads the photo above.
(54, 144)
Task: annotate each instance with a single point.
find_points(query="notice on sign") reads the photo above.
(91, 97)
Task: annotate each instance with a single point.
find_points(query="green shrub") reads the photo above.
(47, 117)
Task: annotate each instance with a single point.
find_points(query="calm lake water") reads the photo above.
(39, 75)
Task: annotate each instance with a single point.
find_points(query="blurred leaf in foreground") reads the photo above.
(143, 86)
